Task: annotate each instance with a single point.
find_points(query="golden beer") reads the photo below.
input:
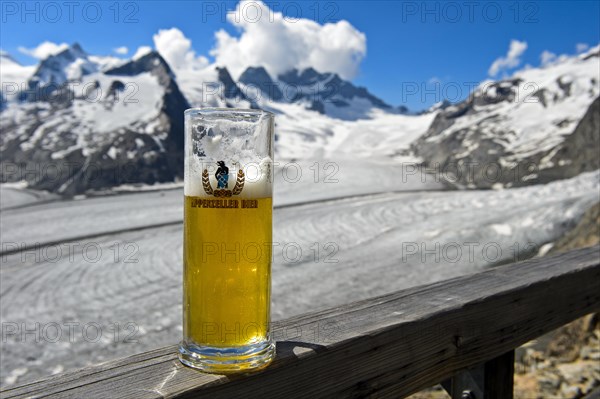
(227, 240)
(227, 272)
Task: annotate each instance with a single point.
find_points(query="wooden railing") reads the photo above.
(461, 332)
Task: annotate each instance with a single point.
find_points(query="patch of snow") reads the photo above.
(502, 229)
(139, 102)
(15, 374)
(13, 76)
(306, 134)
(112, 152)
(544, 249)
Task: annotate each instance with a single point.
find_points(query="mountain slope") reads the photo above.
(529, 129)
(125, 126)
(325, 93)
(70, 64)
(100, 122)
(259, 78)
(13, 77)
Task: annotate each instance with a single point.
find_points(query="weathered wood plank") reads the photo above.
(389, 346)
(499, 377)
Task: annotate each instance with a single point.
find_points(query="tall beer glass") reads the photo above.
(227, 239)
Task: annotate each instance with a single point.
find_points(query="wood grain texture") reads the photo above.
(499, 377)
(388, 346)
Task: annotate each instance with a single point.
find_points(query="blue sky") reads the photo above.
(408, 44)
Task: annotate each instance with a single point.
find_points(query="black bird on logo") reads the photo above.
(222, 175)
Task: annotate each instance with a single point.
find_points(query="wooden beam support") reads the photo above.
(490, 380)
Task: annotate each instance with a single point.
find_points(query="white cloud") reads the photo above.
(121, 50)
(511, 60)
(279, 44)
(44, 49)
(141, 51)
(547, 57)
(581, 47)
(176, 49)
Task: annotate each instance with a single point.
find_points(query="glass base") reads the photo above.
(237, 359)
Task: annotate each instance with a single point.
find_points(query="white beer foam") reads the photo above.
(257, 184)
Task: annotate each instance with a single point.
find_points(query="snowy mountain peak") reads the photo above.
(71, 53)
(130, 112)
(151, 62)
(259, 78)
(442, 105)
(230, 88)
(127, 115)
(536, 125)
(70, 64)
(7, 59)
(13, 75)
(593, 52)
(76, 49)
(306, 77)
(325, 93)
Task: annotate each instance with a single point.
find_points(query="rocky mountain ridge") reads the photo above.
(540, 125)
(123, 125)
(100, 122)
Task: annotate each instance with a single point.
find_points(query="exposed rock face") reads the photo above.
(129, 130)
(173, 104)
(540, 126)
(52, 73)
(70, 63)
(233, 96)
(230, 88)
(581, 147)
(259, 78)
(484, 168)
(585, 234)
(326, 92)
(76, 108)
(83, 122)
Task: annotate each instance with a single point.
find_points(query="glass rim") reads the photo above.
(214, 110)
